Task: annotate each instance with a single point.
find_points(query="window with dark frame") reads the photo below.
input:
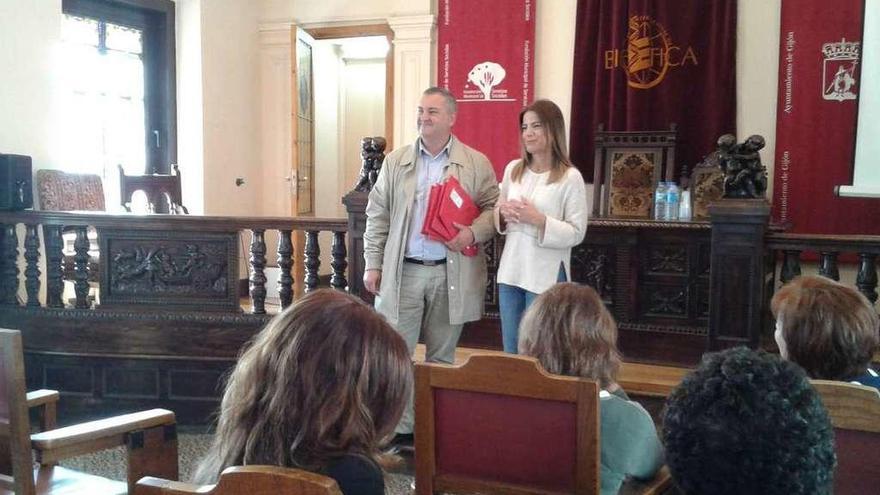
(118, 104)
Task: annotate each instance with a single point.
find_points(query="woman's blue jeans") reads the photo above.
(512, 303)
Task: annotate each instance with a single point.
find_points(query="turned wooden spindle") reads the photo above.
(866, 280)
(338, 263)
(258, 276)
(828, 265)
(791, 265)
(81, 267)
(312, 260)
(285, 265)
(9, 263)
(54, 265)
(32, 268)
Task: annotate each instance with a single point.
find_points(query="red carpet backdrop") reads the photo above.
(816, 119)
(640, 65)
(486, 49)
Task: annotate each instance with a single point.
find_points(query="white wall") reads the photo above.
(322, 11)
(328, 69)
(29, 39)
(364, 113)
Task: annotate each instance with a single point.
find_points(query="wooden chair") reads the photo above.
(855, 414)
(163, 191)
(249, 480)
(628, 166)
(149, 437)
(500, 424)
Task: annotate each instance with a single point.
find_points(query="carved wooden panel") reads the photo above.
(633, 174)
(666, 259)
(595, 266)
(176, 270)
(664, 300)
(493, 250)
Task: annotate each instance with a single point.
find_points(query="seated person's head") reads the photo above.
(829, 329)
(325, 378)
(570, 332)
(748, 422)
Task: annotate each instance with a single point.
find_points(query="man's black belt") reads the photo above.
(425, 262)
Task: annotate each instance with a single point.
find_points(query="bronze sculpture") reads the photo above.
(744, 174)
(372, 155)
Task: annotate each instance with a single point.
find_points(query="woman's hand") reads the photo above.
(508, 211)
(526, 212)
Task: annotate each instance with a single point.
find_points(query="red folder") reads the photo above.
(449, 203)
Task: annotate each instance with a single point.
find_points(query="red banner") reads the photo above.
(819, 73)
(486, 48)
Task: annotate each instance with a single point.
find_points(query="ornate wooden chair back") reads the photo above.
(163, 191)
(855, 413)
(501, 424)
(247, 480)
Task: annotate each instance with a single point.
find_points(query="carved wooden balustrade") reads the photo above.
(187, 262)
(168, 320)
(829, 249)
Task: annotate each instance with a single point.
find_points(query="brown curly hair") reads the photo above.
(325, 378)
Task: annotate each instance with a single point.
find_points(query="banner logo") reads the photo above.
(839, 70)
(650, 53)
(486, 76)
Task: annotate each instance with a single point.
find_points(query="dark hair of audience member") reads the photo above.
(828, 328)
(569, 330)
(325, 378)
(553, 124)
(748, 422)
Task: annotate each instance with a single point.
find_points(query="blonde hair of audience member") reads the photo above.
(553, 125)
(570, 332)
(828, 328)
(325, 378)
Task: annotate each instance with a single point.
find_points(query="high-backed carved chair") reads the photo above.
(149, 437)
(163, 191)
(247, 480)
(628, 166)
(500, 424)
(855, 414)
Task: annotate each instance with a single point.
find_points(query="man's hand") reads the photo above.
(464, 238)
(373, 280)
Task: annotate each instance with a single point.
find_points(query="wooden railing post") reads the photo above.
(54, 246)
(81, 267)
(258, 276)
(866, 280)
(285, 264)
(312, 260)
(9, 264)
(356, 206)
(338, 262)
(737, 275)
(32, 270)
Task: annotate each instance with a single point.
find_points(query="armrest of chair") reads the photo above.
(149, 485)
(46, 400)
(658, 485)
(93, 436)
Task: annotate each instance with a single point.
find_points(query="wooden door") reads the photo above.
(302, 167)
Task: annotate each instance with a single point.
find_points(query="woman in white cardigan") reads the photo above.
(542, 211)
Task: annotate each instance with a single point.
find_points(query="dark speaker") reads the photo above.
(16, 189)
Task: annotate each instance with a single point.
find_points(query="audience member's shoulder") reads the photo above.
(356, 474)
(620, 405)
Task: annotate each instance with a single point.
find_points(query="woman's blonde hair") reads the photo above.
(829, 329)
(554, 126)
(570, 332)
(325, 378)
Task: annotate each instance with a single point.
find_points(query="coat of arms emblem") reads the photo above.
(839, 70)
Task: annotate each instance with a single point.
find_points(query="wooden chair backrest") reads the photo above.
(501, 424)
(855, 413)
(62, 191)
(637, 187)
(247, 480)
(14, 420)
(162, 191)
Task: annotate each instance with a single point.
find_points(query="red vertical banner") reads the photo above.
(485, 57)
(819, 54)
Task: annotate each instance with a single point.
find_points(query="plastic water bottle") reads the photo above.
(673, 200)
(684, 210)
(660, 201)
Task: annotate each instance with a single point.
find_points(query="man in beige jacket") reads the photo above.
(423, 285)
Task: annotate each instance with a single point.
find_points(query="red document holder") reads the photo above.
(456, 206)
(428, 226)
